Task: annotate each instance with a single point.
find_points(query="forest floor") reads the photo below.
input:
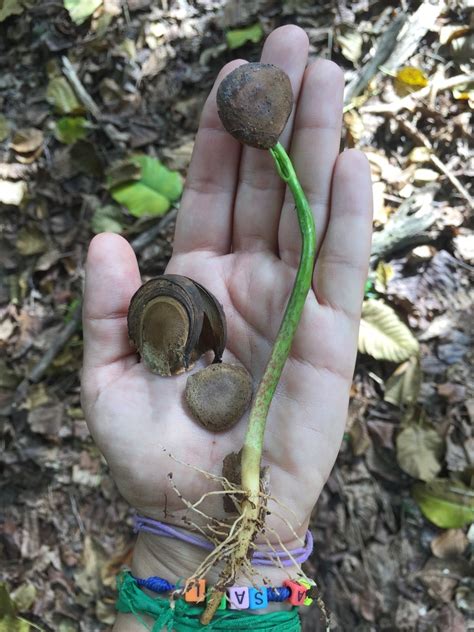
(132, 78)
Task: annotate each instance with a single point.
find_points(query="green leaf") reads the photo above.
(10, 7)
(69, 129)
(60, 94)
(107, 219)
(238, 37)
(80, 10)
(448, 504)
(14, 624)
(383, 335)
(419, 450)
(403, 386)
(153, 192)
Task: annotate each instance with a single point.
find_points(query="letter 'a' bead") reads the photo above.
(196, 591)
(307, 583)
(258, 598)
(239, 597)
(298, 592)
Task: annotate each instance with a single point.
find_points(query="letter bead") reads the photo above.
(239, 597)
(196, 591)
(298, 592)
(258, 598)
(307, 583)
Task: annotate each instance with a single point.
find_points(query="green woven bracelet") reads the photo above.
(180, 616)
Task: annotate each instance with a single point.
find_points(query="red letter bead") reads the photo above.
(239, 597)
(258, 598)
(196, 591)
(298, 592)
(307, 583)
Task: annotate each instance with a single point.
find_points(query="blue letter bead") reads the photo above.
(258, 598)
(239, 597)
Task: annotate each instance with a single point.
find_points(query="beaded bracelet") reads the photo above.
(266, 557)
(299, 592)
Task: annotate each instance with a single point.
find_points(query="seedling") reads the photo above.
(254, 103)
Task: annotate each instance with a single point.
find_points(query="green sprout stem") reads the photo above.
(253, 444)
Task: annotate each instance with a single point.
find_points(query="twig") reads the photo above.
(147, 236)
(84, 96)
(385, 46)
(410, 102)
(416, 27)
(423, 140)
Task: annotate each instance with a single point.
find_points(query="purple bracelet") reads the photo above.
(259, 558)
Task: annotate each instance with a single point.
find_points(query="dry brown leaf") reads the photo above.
(419, 450)
(449, 543)
(403, 386)
(27, 140)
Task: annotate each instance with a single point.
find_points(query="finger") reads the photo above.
(112, 277)
(260, 191)
(341, 269)
(314, 149)
(205, 215)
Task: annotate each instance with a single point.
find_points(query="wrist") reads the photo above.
(176, 561)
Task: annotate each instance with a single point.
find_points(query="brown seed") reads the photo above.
(254, 102)
(219, 395)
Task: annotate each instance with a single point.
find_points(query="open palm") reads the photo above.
(237, 235)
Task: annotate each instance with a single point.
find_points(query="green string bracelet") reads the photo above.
(180, 616)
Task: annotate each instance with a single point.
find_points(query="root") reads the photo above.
(234, 539)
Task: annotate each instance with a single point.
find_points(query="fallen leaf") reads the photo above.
(60, 94)
(24, 596)
(383, 274)
(108, 219)
(350, 40)
(383, 335)
(449, 543)
(424, 176)
(452, 392)
(27, 140)
(153, 193)
(12, 193)
(10, 7)
(94, 557)
(80, 10)
(69, 129)
(30, 241)
(238, 37)
(448, 504)
(408, 79)
(419, 154)
(403, 386)
(419, 450)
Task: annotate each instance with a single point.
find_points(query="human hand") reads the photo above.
(237, 234)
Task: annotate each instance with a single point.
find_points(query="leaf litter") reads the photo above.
(120, 80)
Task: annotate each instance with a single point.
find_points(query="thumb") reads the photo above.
(112, 277)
